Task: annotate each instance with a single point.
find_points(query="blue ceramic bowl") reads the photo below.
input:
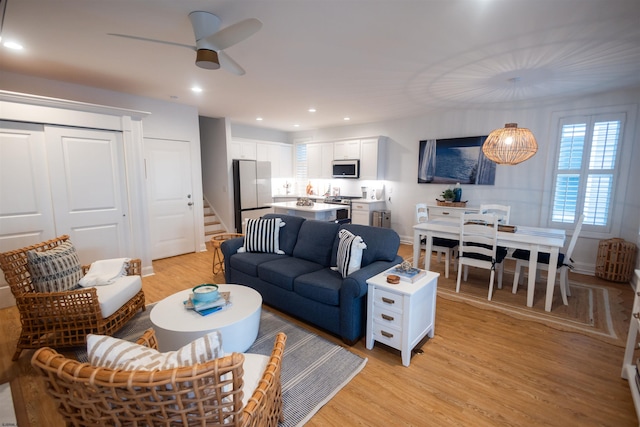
(206, 292)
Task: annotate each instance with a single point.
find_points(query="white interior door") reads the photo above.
(26, 215)
(88, 189)
(170, 197)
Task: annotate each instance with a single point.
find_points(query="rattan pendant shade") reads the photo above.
(510, 145)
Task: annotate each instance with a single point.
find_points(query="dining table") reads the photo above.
(533, 239)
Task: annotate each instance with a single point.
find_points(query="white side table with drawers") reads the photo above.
(401, 315)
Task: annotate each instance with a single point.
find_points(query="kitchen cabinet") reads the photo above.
(280, 157)
(243, 150)
(348, 149)
(319, 157)
(362, 212)
(372, 158)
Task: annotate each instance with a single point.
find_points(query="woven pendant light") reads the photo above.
(510, 145)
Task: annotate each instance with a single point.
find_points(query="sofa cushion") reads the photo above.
(55, 270)
(315, 241)
(349, 254)
(382, 243)
(321, 286)
(262, 235)
(288, 233)
(248, 263)
(115, 353)
(282, 272)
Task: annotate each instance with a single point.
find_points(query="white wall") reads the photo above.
(522, 186)
(216, 169)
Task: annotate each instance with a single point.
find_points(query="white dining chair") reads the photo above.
(441, 246)
(563, 266)
(478, 247)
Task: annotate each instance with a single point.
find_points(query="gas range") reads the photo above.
(337, 200)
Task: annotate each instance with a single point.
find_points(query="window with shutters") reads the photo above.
(301, 162)
(587, 169)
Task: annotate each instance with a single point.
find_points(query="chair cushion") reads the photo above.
(254, 366)
(543, 257)
(262, 235)
(55, 270)
(501, 253)
(112, 297)
(115, 353)
(349, 256)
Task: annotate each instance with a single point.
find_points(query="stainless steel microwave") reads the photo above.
(345, 168)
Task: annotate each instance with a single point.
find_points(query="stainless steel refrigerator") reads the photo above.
(251, 190)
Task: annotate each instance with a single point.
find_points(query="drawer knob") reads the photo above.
(386, 334)
(388, 300)
(387, 317)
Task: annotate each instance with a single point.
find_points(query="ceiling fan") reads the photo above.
(211, 41)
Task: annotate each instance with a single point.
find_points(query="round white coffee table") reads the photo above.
(176, 326)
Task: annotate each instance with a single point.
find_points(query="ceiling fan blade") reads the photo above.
(229, 64)
(232, 34)
(203, 23)
(126, 36)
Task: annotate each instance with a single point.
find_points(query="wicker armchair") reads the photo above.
(204, 394)
(60, 319)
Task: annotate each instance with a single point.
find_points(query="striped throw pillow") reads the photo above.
(115, 353)
(55, 270)
(349, 257)
(262, 235)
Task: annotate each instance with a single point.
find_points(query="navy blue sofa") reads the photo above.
(301, 282)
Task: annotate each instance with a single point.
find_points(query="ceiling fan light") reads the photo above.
(510, 145)
(207, 59)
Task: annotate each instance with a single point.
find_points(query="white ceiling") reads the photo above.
(366, 59)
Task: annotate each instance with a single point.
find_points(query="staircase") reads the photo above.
(211, 224)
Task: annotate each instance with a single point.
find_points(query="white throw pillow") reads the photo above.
(115, 353)
(349, 257)
(262, 235)
(54, 270)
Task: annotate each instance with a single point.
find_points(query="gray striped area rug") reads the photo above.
(313, 368)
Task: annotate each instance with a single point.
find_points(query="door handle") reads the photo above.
(190, 204)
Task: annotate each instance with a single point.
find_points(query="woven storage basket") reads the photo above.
(451, 204)
(616, 259)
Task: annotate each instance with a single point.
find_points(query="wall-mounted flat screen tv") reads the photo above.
(453, 160)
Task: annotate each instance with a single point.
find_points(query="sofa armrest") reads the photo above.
(355, 284)
(231, 246)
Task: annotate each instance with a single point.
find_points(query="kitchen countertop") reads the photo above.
(319, 198)
(317, 207)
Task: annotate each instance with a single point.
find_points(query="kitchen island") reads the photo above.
(319, 211)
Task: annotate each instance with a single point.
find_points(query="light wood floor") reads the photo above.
(482, 368)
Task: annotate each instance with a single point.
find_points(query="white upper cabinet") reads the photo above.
(280, 156)
(347, 149)
(372, 158)
(319, 158)
(243, 150)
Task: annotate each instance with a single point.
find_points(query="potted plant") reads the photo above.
(448, 195)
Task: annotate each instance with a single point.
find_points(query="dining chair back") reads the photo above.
(478, 247)
(441, 246)
(563, 266)
(503, 212)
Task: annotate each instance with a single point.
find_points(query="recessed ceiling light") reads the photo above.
(13, 45)
(347, 118)
(259, 119)
(296, 125)
(312, 110)
(196, 89)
